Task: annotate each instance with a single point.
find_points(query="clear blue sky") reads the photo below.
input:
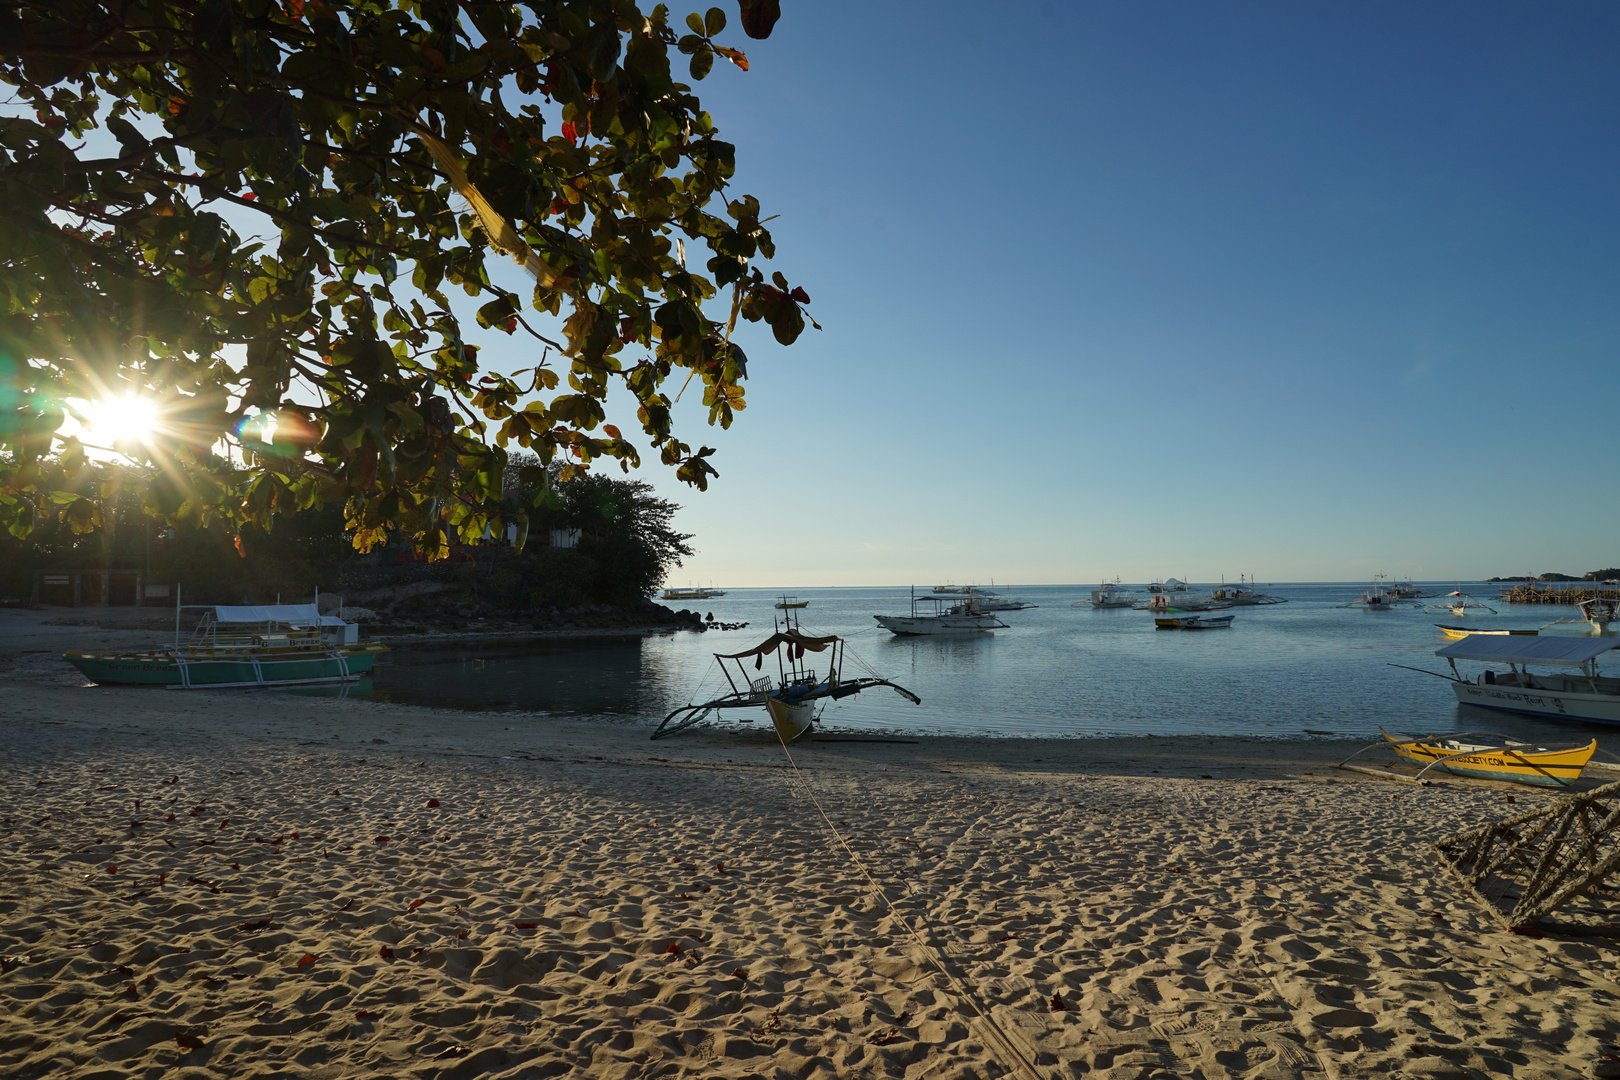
(1299, 290)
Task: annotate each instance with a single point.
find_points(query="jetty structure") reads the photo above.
(1569, 593)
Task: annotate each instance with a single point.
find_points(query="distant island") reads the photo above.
(1611, 574)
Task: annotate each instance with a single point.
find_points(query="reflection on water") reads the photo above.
(1303, 666)
(589, 676)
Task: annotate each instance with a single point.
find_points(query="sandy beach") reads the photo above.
(224, 884)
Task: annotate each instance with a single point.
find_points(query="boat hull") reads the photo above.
(187, 671)
(1558, 704)
(790, 720)
(1542, 768)
(943, 624)
(1463, 631)
(1194, 622)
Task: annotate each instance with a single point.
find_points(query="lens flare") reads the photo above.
(120, 420)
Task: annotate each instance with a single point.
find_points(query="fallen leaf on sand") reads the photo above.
(740, 973)
(432, 803)
(1058, 1004)
(307, 959)
(1006, 937)
(526, 925)
(112, 869)
(673, 949)
(382, 840)
(884, 1038)
(450, 1052)
(361, 1014)
(414, 904)
(386, 953)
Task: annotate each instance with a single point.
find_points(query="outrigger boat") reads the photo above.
(947, 617)
(236, 646)
(691, 594)
(786, 602)
(1380, 597)
(1108, 596)
(1597, 613)
(1460, 604)
(1463, 631)
(791, 698)
(1193, 622)
(1486, 756)
(1563, 695)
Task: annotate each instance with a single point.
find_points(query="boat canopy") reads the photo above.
(301, 614)
(814, 644)
(1522, 649)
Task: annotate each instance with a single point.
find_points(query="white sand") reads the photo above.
(1278, 920)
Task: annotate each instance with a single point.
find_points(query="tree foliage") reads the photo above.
(260, 215)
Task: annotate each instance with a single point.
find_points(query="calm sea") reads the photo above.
(1303, 667)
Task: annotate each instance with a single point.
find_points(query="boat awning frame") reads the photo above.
(1520, 649)
(292, 614)
(770, 644)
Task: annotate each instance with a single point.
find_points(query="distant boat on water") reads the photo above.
(945, 617)
(691, 594)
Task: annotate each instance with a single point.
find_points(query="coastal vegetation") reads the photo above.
(602, 542)
(254, 251)
(1608, 574)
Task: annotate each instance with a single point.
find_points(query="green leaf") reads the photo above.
(701, 64)
(696, 23)
(714, 21)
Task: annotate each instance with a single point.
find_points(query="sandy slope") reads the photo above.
(289, 901)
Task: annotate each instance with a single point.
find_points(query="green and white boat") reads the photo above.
(262, 645)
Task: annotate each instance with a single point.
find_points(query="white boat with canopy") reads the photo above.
(1575, 692)
(932, 615)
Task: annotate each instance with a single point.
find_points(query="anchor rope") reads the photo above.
(998, 1034)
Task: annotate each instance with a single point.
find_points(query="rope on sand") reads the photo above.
(998, 1035)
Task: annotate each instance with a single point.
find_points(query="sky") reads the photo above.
(1294, 290)
(1300, 291)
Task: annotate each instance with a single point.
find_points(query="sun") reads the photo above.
(120, 420)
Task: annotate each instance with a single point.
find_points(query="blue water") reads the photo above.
(1304, 667)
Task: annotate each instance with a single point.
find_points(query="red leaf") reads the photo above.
(432, 803)
(382, 840)
(740, 973)
(112, 869)
(800, 295)
(526, 925)
(568, 131)
(612, 431)
(386, 953)
(1058, 1004)
(673, 949)
(248, 196)
(734, 55)
(361, 1014)
(414, 904)
(295, 9)
(307, 959)
(511, 325)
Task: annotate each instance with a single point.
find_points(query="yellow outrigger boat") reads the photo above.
(1486, 756)
(1455, 632)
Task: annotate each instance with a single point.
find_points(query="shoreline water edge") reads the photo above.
(217, 883)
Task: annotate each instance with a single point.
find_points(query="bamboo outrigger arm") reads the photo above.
(686, 716)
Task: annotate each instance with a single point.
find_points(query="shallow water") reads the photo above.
(1304, 667)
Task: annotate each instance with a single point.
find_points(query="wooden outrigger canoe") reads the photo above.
(791, 699)
(1463, 631)
(1485, 756)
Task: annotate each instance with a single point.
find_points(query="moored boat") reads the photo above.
(1109, 596)
(240, 646)
(1495, 757)
(1575, 692)
(947, 616)
(790, 699)
(1193, 622)
(1463, 631)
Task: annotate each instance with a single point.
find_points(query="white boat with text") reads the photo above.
(1575, 691)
